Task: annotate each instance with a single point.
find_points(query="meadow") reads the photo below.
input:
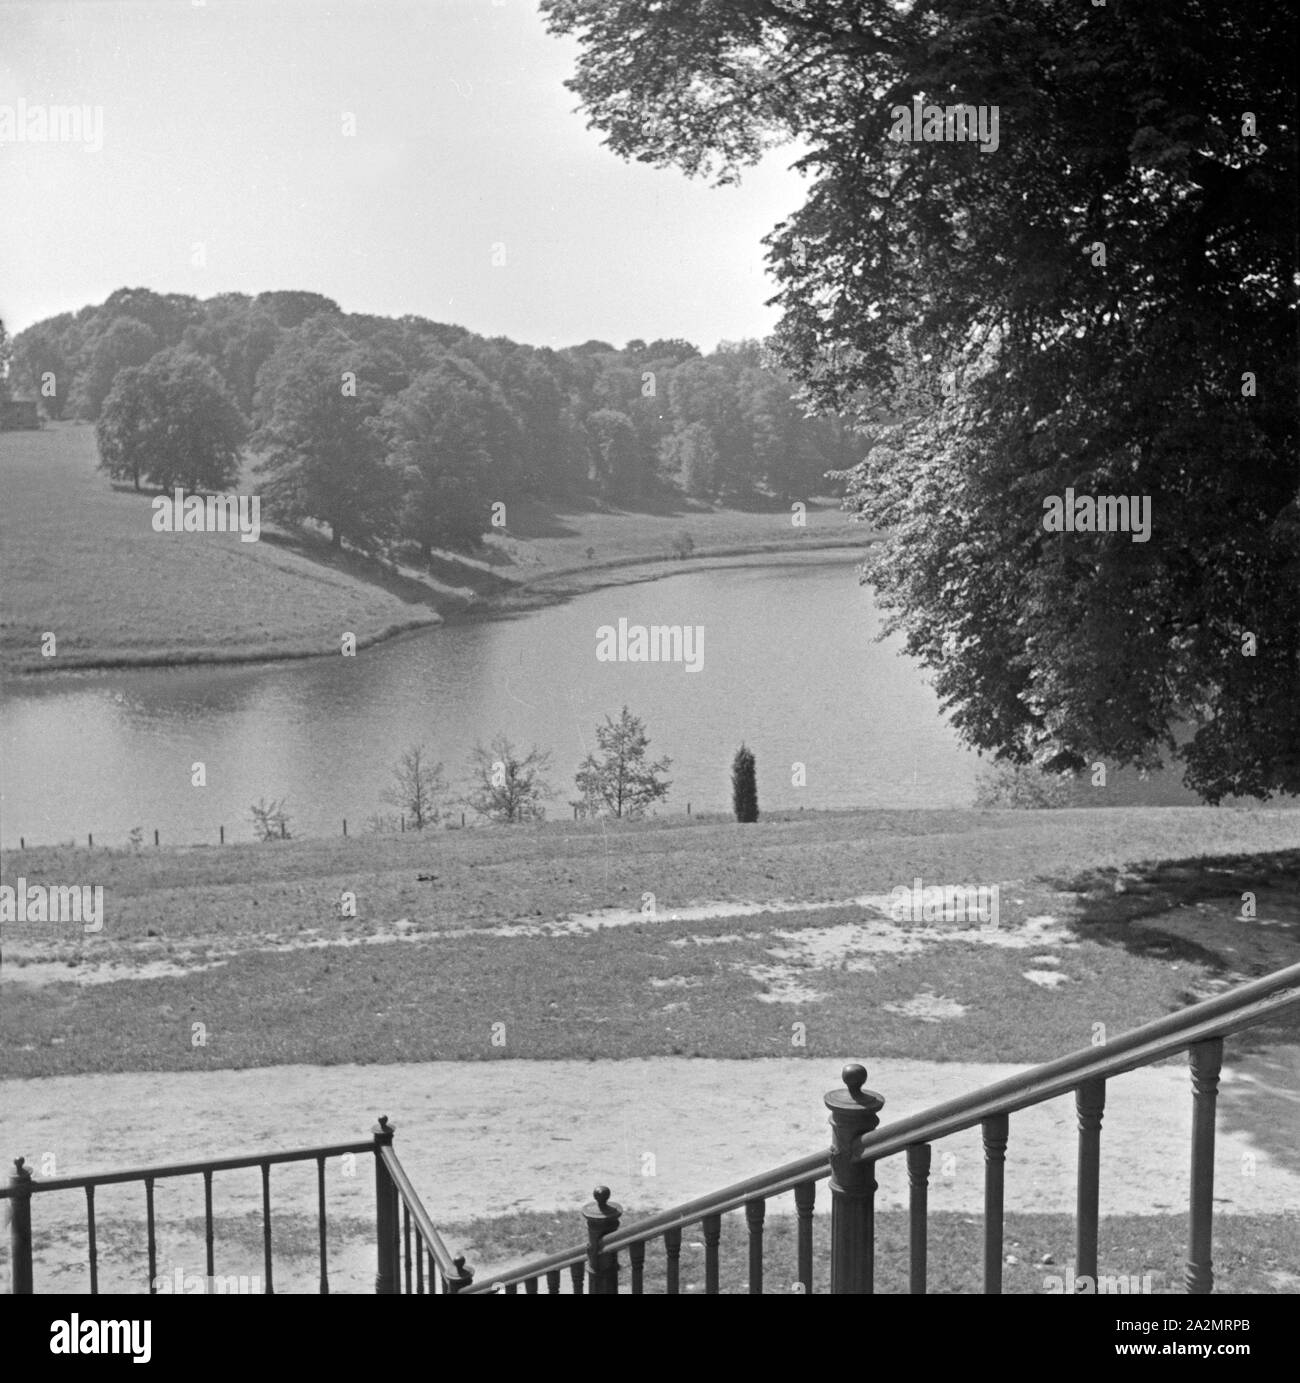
(79, 558)
(569, 934)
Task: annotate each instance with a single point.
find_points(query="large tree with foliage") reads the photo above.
(171, 422)
(323, 443)
(437, 431)
(1105, 302)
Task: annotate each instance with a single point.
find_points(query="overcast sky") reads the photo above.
(224, 143)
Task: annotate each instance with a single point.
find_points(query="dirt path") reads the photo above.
(493, 1137)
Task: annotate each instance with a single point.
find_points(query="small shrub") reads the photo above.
(1021, 786)
(744, 785)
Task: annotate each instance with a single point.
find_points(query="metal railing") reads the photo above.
(23, 1187)
(857, 1144)
(426, 1269)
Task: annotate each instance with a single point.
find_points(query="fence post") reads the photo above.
(1206, 1059)
(602, 1216)
(20, 1229)
(386, 1278)
(854, 1111)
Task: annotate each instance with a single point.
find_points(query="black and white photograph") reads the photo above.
(649, 647)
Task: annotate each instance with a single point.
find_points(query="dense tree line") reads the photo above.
(385, 429)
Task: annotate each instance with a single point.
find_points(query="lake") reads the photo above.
(789, 665)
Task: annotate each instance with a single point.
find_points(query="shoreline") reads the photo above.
(522, 598)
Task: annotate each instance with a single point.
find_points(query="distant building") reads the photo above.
(18, 413)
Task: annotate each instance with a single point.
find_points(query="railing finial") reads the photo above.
(854, 1076)
(602, 1195)
(18, 1166)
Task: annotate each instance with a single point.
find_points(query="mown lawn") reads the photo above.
(658, 986)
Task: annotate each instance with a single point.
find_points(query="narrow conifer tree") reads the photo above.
(744, 786)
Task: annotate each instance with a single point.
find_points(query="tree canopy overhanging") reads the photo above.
(1104, 302)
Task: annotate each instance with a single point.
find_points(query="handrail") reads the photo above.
(1243, 1007)
(446, 1264)
(178, 1169)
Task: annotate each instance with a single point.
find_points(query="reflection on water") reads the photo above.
(790, 667)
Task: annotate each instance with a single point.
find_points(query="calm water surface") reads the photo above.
(790, 666)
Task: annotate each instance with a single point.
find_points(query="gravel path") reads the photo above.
(491, 1137)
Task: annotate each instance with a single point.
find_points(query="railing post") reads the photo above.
(464, 1276)
(995, 1129)
(854, 1111)
(1206, 1059)
(602, 1216)
(386, 1276)
(20, 1229)
(1090, 1105)
(804, 1197)
(918, 1210)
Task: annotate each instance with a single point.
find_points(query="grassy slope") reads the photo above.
(80, 558)
(604, 995)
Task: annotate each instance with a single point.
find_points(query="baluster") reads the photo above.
(406, 1244)
(636, 1256)
(149, 1227)
(1206, 1061)
(419, 1263)
(854, 1111)
(1089, 1104)
(388, 1269)
(673, 1264)
(553, 1282)
(712, 1226)
(530, 1287)
(995, 1155)
(602, 1216)
(320, 1220)
(918, 1209)
(209, 1236)
(804, 1197)
(755, 1211)
(90, 1236)
(266, 1226)
(20, 1229)
(512, 1289)
(576, 1272)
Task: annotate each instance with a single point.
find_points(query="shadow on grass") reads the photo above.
(1190, 912)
